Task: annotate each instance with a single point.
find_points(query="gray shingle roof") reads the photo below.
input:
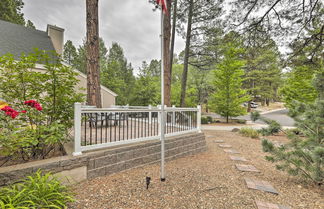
(17, 39)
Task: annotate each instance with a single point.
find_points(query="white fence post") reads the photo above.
(150, 114)
(77, 129)
(159, 120)
(199, 118)
(173, 115)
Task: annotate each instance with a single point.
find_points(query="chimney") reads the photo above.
(57, 36)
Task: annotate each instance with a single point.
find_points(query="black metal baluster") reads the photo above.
(119, 126)
(85, 130)
(91, 126)
(110, 127)
(115, 126)
(96, 127)
(101, 128)
(106, 125)
(123, 126)
(127, 125)
(131, 129)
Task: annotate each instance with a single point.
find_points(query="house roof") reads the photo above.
(18, 39)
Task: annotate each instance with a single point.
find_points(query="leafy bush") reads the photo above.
(204, 120)
(54, 87)
(209, 119)
(249, 132)
(36, 191)
(241, 121)
(303, 156)
(41, 105)
(255, 116)
(273, 126)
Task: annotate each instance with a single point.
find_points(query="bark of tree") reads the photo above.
(173, 33)
(186, 56)
(92, 54)
(166, 54)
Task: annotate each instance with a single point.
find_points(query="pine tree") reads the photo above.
(229, 96)
(69, 52)
(304, 154)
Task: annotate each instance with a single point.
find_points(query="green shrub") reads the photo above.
(204, 120)
(36, 191)
(273, 128)
(209, 119)
(241, 121)
(34, 131)
(249, 132)
(303, 156)
(255, 116)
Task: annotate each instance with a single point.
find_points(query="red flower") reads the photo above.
(34, 104)
(23, 111)
(10, 112)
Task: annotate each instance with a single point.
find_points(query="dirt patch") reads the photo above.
(207, 180)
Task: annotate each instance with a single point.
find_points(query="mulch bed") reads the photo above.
(206, 180)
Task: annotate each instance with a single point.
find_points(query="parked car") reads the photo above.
(253, 104)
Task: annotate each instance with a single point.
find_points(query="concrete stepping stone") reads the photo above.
(232, 151)
(265, 205)
(248, 168)
(260, 185)
(237, 158)
(218, 141)
(225, 145)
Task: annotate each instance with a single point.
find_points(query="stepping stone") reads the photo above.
(237, 158)
(249, 168)
(232, 151)
(210, 136)
(265, 205)
(260, 185)
(225, 145)
(218, 141)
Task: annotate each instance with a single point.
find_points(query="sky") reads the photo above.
(131, 23)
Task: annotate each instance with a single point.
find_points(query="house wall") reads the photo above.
(57, 37)
(107, 161)
(108, 98)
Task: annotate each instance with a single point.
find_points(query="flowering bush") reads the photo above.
(39, 113)
(34, 104)
(10, 112)
(25, 135)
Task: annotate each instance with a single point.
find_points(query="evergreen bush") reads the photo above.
(304, 154)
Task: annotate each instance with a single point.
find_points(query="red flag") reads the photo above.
(163, 5)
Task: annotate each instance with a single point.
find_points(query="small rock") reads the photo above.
(235, 130)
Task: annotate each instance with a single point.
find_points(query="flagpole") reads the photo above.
(162, 102)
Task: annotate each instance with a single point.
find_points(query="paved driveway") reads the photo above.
(279, 115)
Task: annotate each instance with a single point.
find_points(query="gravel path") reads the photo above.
(206, 180)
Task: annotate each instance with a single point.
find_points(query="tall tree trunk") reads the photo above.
(186, 56)
(166, 51)
(92, 54)
(173, 33)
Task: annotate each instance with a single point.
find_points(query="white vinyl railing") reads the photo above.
(96, 128)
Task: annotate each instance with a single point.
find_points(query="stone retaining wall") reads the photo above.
(108, 161)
